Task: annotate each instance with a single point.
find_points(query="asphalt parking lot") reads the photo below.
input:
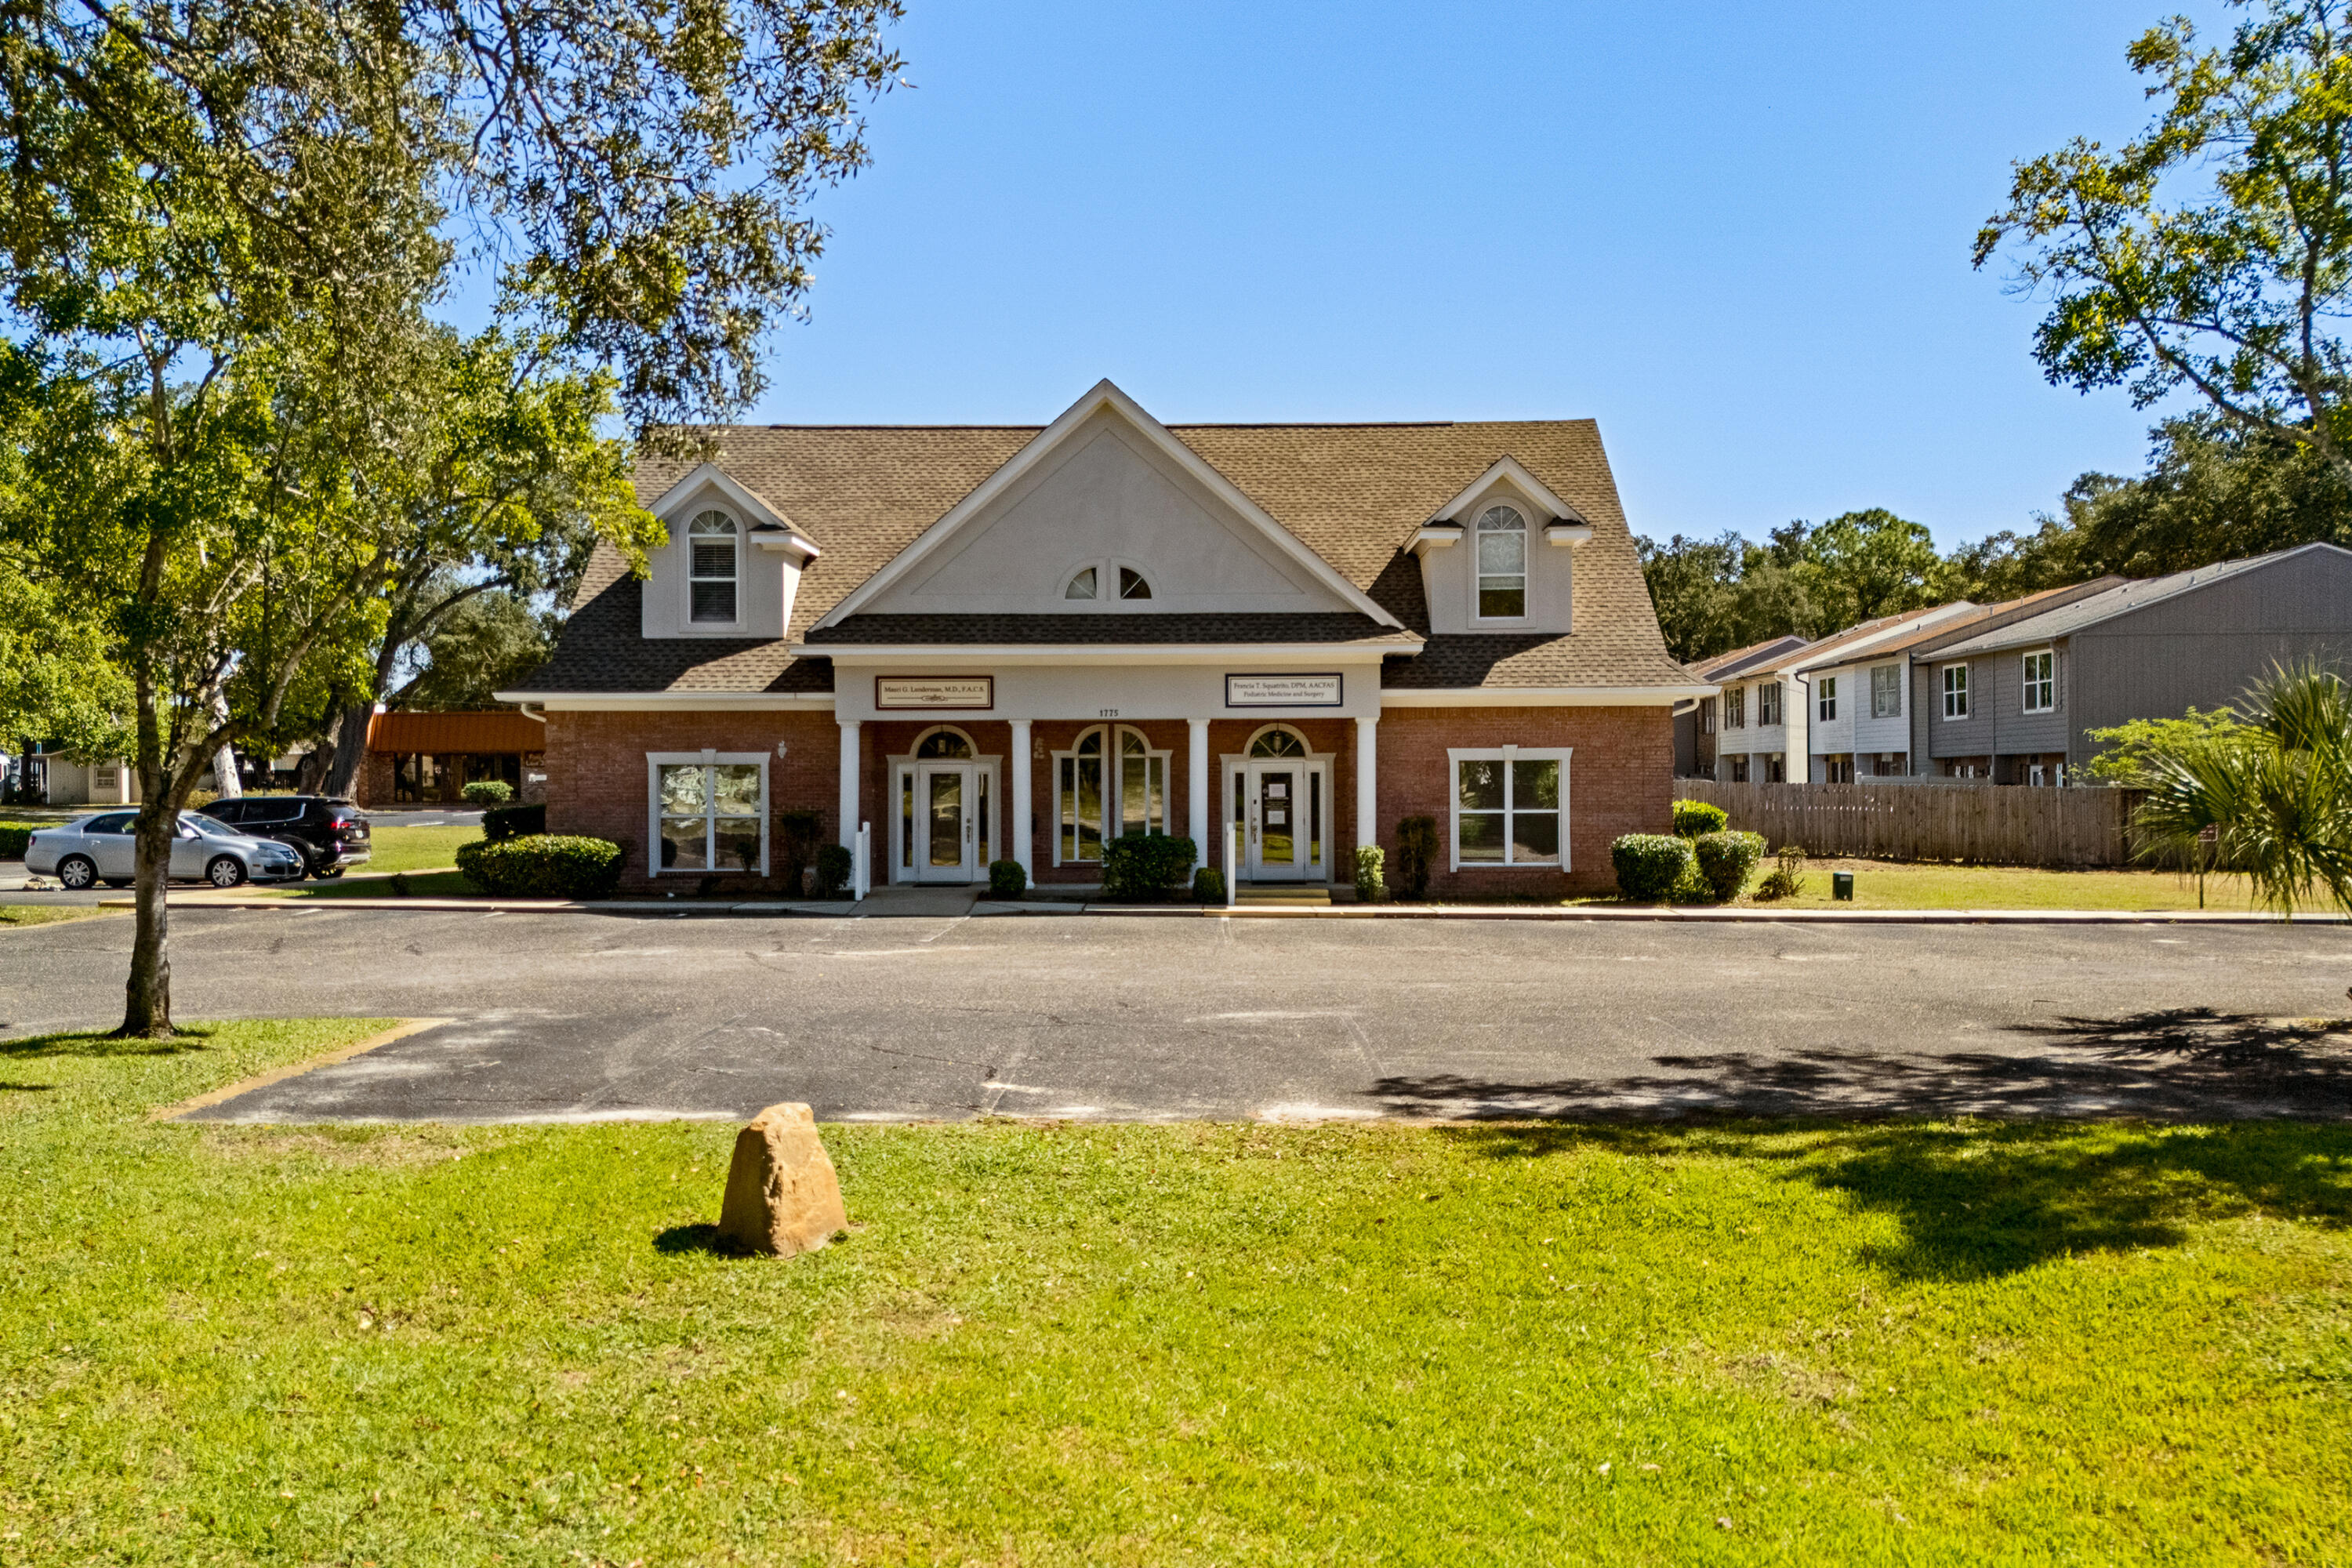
(563, 1017)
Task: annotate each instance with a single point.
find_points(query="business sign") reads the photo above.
(1282, 692)
(918, 691)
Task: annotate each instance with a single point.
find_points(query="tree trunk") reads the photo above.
(226, 782)
(147, 995)
(350, 749)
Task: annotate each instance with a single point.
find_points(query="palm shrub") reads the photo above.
(1650, 867)
(2275, 797)
(1416, 853)
(1694, 817)
(1724, 860)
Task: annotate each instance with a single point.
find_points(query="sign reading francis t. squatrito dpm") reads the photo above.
(962, 691)
(1282, 692)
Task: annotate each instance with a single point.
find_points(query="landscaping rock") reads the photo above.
(782, 1196)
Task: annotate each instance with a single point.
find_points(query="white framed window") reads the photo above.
(713, 569)
(1706, 715)
(1083, 583)
(1502, 546)
(708, 812)
(1734, 708)
(1767, 703)
(1956, 691)
(1887, 691)
(1109, 784)
(2040, 681)
(1827, 694)
(1510, 806)
(1101, 581)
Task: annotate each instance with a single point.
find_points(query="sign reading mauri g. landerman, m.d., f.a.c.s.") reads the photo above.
(1283, 691)
(960, 691)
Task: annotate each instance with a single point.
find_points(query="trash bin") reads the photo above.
(1841, 885)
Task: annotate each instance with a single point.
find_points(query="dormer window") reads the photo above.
(1502, 564)
(712, 574)
(1131, 585)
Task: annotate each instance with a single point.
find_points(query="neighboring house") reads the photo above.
(1021, 644)
(2013, 703)
(417, 758)
(1699, 724)
(1801, 702)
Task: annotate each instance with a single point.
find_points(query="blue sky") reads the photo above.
(1737, 236)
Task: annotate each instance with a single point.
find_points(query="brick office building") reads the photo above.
(1300, 633)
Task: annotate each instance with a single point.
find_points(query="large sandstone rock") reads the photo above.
(782, 1196)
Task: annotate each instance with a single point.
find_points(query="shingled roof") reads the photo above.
(1354, 494)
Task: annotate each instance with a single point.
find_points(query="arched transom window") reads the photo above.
(1097, 583)
(944, 742)
(1502, 563)
(1278, 741)
(1109, 783)
(712, 573)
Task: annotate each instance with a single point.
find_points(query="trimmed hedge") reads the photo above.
(1146, 865)
(1724, 860)
(542, 865)
(13, 840)
(503, 822)
(1695, 817)
(488, 792)
(1650, 867)
(1006, 879)
(835, 865)
(1372, 878)
(1417, 845)
(1208, 886)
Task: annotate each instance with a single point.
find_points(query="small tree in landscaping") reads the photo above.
(1416, 853)
(1371, 885)
(1724, 860)
(1692, 818)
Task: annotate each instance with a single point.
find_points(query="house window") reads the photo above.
(1956, 691)
(1277, 742)
(1734, 708)
(1887, 691)
(2040, 681)
(944, 742)
(1738, 770)
(1828, 699)
(712, 582)
(1098, 795)
(1082, 586)
(1502, 564)
(1131, 585)
(1767, 703)
(1706, 715)
(710, 812)
(1509, 807)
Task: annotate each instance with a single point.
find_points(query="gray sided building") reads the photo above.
(2014, 704)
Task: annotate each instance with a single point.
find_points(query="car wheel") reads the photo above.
(77, 872)
(226, 871)
(330, 873)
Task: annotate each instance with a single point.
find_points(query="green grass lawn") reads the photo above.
(48, 914)
(1892, 885)
(1923, 1344)
(415, 848)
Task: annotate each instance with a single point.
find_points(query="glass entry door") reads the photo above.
(949, 821)
(1286, 807)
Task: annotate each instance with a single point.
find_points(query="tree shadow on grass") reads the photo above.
(35, 1046)
(1983, 1200)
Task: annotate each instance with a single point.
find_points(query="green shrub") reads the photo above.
(1006, 879)
(797, 833)
(834, 865)
(1783, 882)
(1417, 844)
(1146, 865)
(1694, 817)
(501, 822)
(544, 866)
(1208, 886)
(488, 792)
(1725, 859)
(400, 887)
(13, 840)
(1650, 867)
(1371, 880)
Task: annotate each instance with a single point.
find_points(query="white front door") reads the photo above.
(1288, 808)
(948, 827)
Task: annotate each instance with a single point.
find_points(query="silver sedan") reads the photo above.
(104, 848)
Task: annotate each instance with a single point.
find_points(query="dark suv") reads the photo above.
(329, 834)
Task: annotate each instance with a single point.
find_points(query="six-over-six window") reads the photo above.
(1510, 808)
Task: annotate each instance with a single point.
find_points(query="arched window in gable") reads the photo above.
(1502, 564)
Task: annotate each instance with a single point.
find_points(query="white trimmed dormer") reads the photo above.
(1500, 556)
(732, 564)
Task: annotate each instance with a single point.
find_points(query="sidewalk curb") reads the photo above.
(1591, 914)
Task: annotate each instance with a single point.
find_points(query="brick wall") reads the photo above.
(597, 785)
(1620, 780)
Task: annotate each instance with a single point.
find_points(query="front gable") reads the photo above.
(1107, 488)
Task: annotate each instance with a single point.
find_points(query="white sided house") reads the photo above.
(982, 643)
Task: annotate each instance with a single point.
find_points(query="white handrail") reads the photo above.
(861, 875)
(1230, 867)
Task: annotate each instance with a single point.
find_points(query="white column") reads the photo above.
(1368, 794)
(850, 799)
(1019, 804)
(1200, 794)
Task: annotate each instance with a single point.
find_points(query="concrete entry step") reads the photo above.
(1287, 895)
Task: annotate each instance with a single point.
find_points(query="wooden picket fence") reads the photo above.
(1975, 824)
